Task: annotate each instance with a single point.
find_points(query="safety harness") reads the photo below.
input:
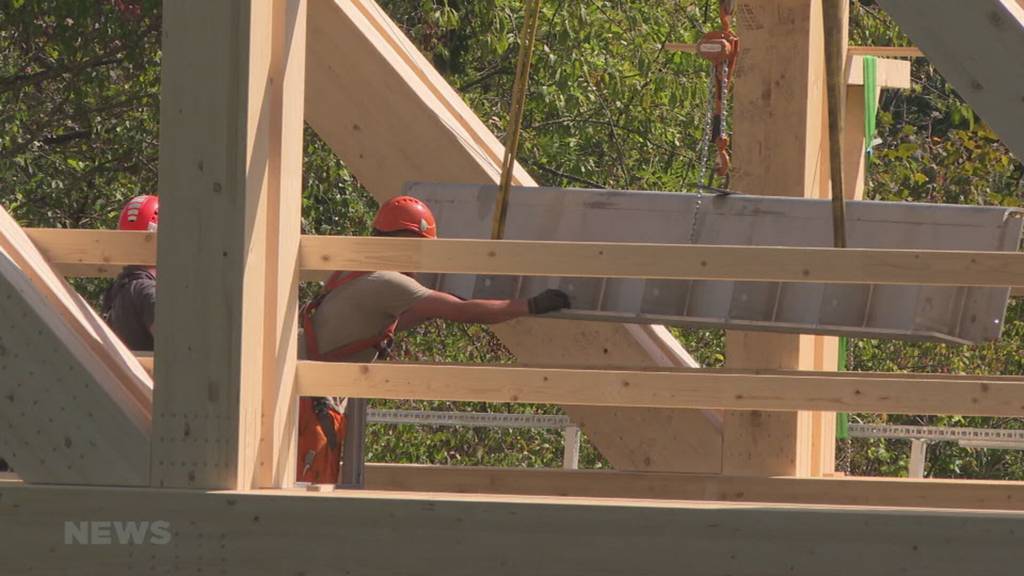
(326, 410)
(381, 342)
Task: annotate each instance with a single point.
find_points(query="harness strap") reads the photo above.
(382, 342)
(322, 408)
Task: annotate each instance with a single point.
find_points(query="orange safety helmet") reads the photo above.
(405, 213)
(140, 213)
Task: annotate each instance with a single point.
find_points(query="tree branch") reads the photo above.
(17, 81)
(560, 174)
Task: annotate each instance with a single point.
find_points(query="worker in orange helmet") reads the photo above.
(354, 319)
(130, 302)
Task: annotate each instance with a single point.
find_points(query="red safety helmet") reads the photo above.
(405, 213)
(140, 213)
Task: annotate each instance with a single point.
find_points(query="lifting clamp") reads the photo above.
(720, 48)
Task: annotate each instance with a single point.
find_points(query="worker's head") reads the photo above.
(405, 216)
(140, 213)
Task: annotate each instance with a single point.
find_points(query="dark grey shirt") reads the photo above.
(129, 306)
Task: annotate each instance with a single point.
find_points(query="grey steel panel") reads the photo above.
(956, 314)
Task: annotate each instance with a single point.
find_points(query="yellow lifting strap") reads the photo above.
(519, 89)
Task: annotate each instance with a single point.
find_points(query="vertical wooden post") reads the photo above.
(854, 161)
(217, 147)
(780, 145)
(823, 424)
(278, 441)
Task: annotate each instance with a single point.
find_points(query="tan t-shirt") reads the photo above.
(363, 308)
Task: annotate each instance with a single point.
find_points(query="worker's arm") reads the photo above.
(442, 305)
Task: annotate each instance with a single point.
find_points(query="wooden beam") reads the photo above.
(837, 491)
(384, 110)
(97, 253)
(592, 259)
(278, 440)
(890, 73)
(103, 253)
(697, 388)
(146, 361)
(979, 59)
(255, 533)
(848, 491)
(127, 380)
(216, 149)
(67, 418)
(822, 460)
(779, 147)
(95, 249)
(886, 51)
(879, 51)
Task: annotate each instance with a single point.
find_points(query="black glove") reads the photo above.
(550, 300)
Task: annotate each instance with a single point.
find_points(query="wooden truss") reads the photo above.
(211, 452)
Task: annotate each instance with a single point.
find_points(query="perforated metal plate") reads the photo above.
(955, 314)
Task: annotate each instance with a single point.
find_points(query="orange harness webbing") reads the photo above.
(322, 428)
(382, 341)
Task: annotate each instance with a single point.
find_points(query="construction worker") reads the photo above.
(130, 302)
(355, 317)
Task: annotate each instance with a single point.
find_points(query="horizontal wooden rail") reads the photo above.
(886, 51)
(694, 388)
(880, 51)
(888, 73)
(664, 261)
(838, 491)
(103, 252)
(99, 253)
(493, 534)
(146, 360)
(897, 492)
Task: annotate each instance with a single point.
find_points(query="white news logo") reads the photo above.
(117, 532)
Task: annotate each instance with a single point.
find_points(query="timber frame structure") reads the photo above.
(723, 471)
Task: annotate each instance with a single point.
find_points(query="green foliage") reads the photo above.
(608, 107)
(79, 90)
(333, 203)
(706, 346)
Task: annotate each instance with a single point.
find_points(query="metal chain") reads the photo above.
(705, 143)
(725, 96)
(702, 154)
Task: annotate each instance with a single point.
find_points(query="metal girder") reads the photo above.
(955, 314)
